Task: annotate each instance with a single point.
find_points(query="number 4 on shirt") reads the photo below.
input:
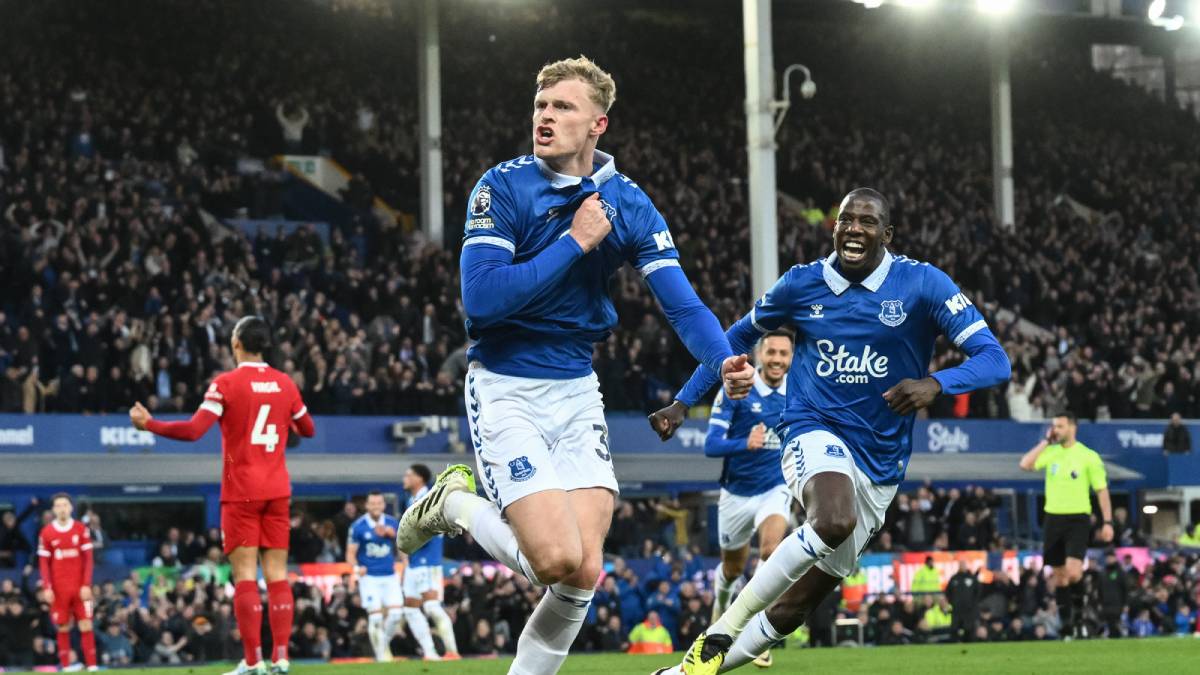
(263, 433)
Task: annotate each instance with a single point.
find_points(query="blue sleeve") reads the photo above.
(717, 443)
(653, 247)
(771, 311)
(987, 365)
(957, 318)
(695, 324)
(492, 287)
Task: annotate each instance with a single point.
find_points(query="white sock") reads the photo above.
(375, 633)
(724, 588)
(442, 624)
(552, 627)
(758, 637)
(394, 618)
(418, 627)
(482, 519)
(795, 556)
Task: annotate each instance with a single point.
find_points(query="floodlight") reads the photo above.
(995, 7)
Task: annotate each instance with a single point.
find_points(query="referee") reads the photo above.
(1072, 469)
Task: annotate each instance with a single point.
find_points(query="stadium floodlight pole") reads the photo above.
(429, 63)
(760, 147)
(1002, 132)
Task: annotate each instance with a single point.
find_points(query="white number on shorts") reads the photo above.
(263, 433)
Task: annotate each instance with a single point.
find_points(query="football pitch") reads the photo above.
(1164, 655)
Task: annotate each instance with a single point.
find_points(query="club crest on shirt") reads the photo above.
(609, 210)
(891, 312)
(520, 469)
(756, 407)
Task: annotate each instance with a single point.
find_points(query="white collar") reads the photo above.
(838, 284)
(608, 169)
(65, 528)
(251, 364)
(764, 390)
(373, 523)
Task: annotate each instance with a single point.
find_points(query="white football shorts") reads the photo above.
(738, 517)
(380, 592)
(421, 580)
(532, 435)
(810, 453)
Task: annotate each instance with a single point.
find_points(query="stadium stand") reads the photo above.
(127, 148)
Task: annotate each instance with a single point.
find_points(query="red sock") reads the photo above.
(247, 608)
(279, 599)
(64, 647)
(88, 638)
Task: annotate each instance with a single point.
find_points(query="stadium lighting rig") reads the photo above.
(808, 89)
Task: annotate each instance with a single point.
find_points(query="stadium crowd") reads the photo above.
(116, 152)
(177, 609)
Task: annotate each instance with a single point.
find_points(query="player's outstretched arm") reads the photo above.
(190, 430)
(693, 322)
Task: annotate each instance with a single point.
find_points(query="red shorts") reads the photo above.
(68, 604)
(262, 524)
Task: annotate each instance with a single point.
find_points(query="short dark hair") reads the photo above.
(61, 495)
(254, 334)
(424, 472)
(780, 332)
(374, 493)
(1069, 415)
(872, 193)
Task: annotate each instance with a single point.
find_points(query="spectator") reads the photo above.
(650, 636)
(1177, 439)
(115, 647)
(964, 592)
(14, 545)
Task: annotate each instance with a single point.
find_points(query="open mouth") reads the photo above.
(543, 135)
(853, 251)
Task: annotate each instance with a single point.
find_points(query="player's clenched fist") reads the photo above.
(665, 422)
(138, 415)
(757, 438)
(590, 226)
(737, 376)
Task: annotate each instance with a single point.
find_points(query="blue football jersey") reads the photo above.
(376, 553)
(855, 341)
(523, 206)
(747, 473)
(431, 553)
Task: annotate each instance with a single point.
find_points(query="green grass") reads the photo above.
(1164, 656)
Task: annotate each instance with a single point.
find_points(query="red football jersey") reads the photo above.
(67, 554)
(256, 405)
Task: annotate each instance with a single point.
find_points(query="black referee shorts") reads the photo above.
(1066, 537)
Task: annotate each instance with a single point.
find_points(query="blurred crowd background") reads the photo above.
(128, 137)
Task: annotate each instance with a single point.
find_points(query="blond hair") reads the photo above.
(604, 89)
